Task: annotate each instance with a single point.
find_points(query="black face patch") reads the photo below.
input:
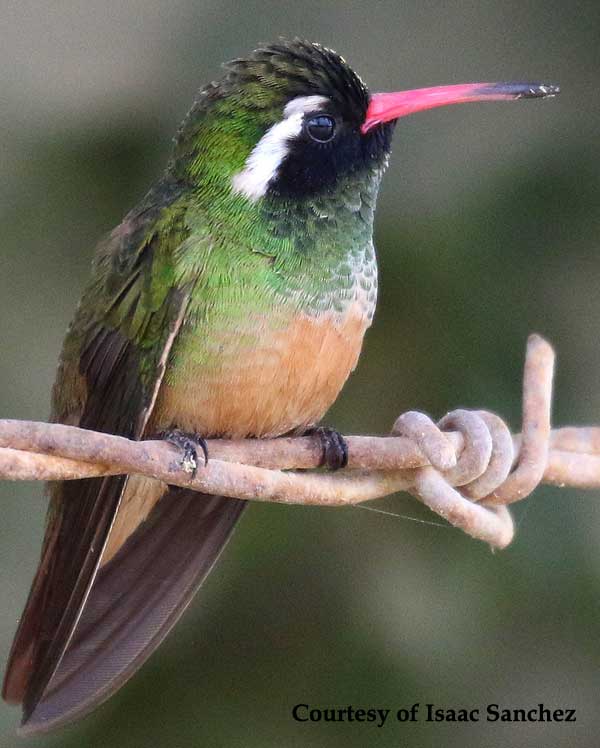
(314, 166)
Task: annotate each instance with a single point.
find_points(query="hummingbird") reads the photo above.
(232, 302)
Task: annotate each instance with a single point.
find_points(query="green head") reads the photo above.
(283, 124)
(294, 122)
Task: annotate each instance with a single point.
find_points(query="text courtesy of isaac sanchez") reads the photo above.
(378, 717)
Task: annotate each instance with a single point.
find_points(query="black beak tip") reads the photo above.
(522, 90)
(541, 91)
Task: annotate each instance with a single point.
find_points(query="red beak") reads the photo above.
(384, 107)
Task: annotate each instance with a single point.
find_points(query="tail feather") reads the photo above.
(134, 601)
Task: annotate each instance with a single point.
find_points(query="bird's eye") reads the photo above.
(321, 128)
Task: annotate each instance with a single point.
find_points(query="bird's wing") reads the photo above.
(90, 623)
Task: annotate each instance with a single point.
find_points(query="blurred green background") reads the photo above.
(488, 228)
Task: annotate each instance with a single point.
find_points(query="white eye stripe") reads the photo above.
(263, 163)
(304, 104)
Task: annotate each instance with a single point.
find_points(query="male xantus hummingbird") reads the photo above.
(232, 301)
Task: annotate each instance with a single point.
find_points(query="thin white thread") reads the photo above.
(404, 516)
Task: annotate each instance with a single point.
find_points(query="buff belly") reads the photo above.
(269, 382)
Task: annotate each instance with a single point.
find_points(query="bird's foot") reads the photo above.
(333, 447)
(189, 444)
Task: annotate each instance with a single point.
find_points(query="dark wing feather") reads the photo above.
(135, 600)
(86, 628)
(72, 545)
(79, 518)
(70, 569)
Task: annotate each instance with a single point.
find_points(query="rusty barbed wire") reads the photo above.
(467, 468)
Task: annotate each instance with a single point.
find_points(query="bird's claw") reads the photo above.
(334, 449)
(189, 444)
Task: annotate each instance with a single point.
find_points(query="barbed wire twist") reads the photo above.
(467, 468)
